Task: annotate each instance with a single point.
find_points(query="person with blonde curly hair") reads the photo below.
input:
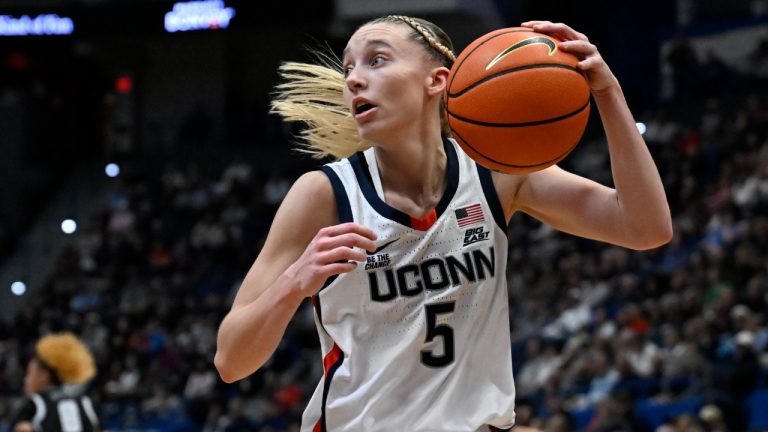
(401, 242)
(54, 384)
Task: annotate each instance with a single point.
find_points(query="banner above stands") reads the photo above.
(36, 25)
(155, 18)
(198, 15)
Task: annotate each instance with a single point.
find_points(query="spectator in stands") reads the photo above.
(641, 355)
(684, 61)
(54, 382)
(539, 366)
(679, 360)
(604, 377)
(711, 417)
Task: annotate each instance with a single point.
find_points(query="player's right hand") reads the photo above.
(330, 252)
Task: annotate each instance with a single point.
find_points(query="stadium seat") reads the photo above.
(656, 413)
(757, 408)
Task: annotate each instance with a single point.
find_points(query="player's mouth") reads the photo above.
(362, 109)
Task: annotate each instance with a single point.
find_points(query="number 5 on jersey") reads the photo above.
(434, 330)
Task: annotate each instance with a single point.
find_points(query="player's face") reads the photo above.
(36, 379)
(386, 75)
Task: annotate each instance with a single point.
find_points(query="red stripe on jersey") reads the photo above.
(331, 358)
(424, 223)
(331, 362)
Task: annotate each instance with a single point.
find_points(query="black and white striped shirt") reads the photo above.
(59, 410)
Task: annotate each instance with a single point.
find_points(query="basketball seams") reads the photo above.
(526, 121)
(465, 57)
(521, 124)
(509, 71)
(530, 167)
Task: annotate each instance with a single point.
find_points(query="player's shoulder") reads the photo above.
(310, 203)
(313, 182)
(311, 191)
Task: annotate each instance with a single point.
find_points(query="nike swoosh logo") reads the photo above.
(525, 42)
(380, 248)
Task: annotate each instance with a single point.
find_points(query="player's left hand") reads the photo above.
(596, 71)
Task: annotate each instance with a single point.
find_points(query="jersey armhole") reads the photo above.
(345, 213)
(491, 196)
(342, 201)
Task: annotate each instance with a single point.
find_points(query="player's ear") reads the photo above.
(47, 376)
(437, 81)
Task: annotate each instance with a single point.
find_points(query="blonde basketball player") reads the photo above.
(401, 244)
(54, 384)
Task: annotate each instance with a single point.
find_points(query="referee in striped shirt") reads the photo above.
(54, 385)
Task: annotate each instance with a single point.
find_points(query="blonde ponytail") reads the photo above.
(313, 94)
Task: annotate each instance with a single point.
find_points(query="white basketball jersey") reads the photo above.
(417, 338)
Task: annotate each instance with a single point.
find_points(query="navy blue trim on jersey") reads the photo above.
(342, 200)
(318, 308)
(329, 281)
(363, 174)
(326, 387)
(495, 429)
(489, 190)
(315, 300)
(342, 204)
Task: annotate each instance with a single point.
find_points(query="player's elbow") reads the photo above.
(666, 234)
(663, 232)
(655, 237)
(231, 370)
(225, 368)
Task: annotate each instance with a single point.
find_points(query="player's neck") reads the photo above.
(413, 173)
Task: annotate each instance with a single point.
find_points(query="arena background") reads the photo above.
(140, 171)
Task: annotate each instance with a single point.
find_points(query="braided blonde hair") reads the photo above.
(313, 93)
(430, 34)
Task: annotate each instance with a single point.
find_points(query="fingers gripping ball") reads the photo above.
(515, 102)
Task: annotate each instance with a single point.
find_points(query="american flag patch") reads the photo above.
(469, 215)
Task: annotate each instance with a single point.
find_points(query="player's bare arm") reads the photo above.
(304, 247)
(635, 214)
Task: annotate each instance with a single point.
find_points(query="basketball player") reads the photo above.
(54, 386)
(402, 246)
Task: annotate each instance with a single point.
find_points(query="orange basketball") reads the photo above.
(516, 103)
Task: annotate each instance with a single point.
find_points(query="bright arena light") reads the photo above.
(68, 226)
(18, 288)
(641, 127)
(112, 170)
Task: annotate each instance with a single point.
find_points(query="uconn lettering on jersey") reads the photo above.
(433, 274)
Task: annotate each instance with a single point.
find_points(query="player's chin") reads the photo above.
(370, 132)
(382, 129)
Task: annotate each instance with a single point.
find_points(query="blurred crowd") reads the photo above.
(604, 339)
